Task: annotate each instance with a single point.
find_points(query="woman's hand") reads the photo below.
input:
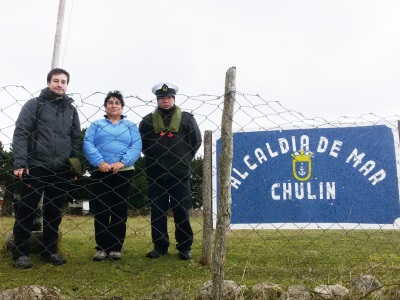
(104, 167)
(116, 166)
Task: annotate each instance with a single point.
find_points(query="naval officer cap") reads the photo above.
(164, 90)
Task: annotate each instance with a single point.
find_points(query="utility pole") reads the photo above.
(57, 39)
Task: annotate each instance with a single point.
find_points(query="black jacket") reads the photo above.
(170, 157)
(52, 138)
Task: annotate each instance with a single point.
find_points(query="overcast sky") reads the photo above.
(321, 58)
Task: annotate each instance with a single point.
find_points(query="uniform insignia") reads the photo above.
(165, 88)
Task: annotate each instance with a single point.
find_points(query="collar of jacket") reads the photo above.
(158, 120)
(122, 117)
(48, 94)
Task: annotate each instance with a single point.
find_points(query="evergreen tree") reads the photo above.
(138, 199)
(196, 182)
(7, 180)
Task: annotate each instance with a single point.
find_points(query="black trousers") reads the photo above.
(54, 185)
(110, 207)
(177, 194)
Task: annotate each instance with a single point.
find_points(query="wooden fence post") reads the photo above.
(225, 169)
(206, 257)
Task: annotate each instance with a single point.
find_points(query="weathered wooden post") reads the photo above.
(206, 256)
(57, 38)
(225, 169)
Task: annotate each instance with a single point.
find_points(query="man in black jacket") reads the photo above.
(170, 140)
(47, 134)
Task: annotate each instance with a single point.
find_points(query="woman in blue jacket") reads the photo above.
(112, 145)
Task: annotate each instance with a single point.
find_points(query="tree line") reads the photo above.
(81, 189)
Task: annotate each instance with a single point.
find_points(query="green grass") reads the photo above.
(285, 257)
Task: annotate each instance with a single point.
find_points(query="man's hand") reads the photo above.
(20, 172)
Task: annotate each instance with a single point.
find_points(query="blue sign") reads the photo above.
(320, 176)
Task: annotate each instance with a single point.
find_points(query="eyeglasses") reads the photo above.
(113, 103)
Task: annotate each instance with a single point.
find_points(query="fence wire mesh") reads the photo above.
(262, 264)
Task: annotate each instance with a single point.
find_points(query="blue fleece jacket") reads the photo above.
(111, 143)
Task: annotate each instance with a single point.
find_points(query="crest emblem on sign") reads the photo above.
(302, 165)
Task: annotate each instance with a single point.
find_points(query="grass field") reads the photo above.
(285, 257)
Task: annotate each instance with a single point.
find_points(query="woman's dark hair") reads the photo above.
(115, 94)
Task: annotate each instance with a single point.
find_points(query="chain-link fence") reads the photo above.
(259, 259)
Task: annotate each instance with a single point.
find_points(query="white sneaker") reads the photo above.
(99, 256)
(115, 255)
